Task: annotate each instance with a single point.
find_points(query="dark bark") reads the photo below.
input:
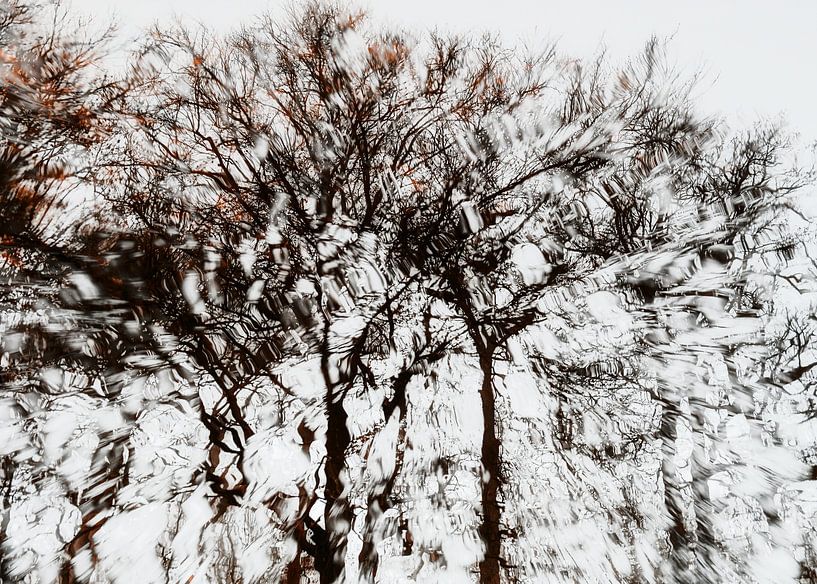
(489, 529)
(338, 513)
(330, 550)
(292, 574)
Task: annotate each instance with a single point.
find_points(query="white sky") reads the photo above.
(759, 54)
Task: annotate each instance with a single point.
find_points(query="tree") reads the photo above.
(300, 236)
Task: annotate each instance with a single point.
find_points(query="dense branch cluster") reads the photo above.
(323, 301)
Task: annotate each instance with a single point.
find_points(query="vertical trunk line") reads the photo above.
(379, 497)
(330, 556)
(292, 574)
(680, 539)
(489, 529)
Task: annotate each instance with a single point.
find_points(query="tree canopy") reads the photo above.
(323, 300)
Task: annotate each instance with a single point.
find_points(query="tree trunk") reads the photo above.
(292, 575)
(330, 557)
(379, 496)
(489, 529)
(679, 536)
(115, 476)
(5, 510)
(330, 551)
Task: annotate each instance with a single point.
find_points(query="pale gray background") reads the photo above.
(759, 56)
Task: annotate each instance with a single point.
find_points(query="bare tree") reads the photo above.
(323, 194)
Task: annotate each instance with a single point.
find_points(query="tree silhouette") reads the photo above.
(249, 283)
